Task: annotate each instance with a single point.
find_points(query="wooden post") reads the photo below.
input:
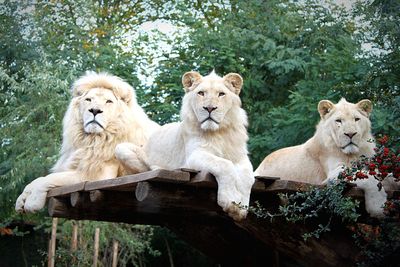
(115, 254)
(74, 239)
(96, 246)
(52, 245)
(80, 234)
(171, 259)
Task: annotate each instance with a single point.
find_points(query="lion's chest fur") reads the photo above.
(91, 154)
(224, 144)
(174, 143)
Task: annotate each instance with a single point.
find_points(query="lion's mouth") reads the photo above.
(349, 144)
(94, 121)
(211, 119)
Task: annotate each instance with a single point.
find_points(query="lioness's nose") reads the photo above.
(95, 111)
(210, 108)
(350, 134)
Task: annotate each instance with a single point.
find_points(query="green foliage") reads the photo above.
(379, 245)
(320, 205)
(134, 241)
(31, 128)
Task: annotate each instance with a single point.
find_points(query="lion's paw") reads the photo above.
(230, 202)
(20, 203)
(33, 198)
(236, 212)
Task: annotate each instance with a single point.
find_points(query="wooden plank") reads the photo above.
(66, 190)
(354, 192)
(174, 176)
(191, 171)
(128, 183)
(258, 186)
(287, 186)
(267, 179)
(204, 179)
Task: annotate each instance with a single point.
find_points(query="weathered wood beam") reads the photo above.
(66, 190)
(142, 190)
(127, 183)
(185, 201)
(96, 196)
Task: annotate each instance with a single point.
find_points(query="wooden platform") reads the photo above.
(185, 202)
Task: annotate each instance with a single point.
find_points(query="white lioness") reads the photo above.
(102, 113)
(342, 136)
(212, 137)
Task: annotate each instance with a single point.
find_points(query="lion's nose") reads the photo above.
(350, 135)
(95, 111)
(210, 108)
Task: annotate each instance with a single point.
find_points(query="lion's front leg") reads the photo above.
(246, 180)
(374, 198)
(334, 168)
(33, 198)
(132, 157)
(226, 175)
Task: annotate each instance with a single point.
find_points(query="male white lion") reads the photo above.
(212, 137)
(103, 112)
(342, 136)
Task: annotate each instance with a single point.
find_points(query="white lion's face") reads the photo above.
(212, 97)
(97, 107)
(348, 124)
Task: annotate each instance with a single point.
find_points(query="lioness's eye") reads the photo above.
(109, 101)
(338, 121)
(357, 119)
(88, 99)
(221, 94)
(200, 93)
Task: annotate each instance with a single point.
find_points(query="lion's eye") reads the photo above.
(88, 99)
(221, 94)
(338, 121)
(200, 93)
(109, 101)
(357, 119)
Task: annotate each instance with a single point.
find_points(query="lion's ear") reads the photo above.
(365, 105)
(324, 107)
(234, 82)
(190, 78)
(77, 90)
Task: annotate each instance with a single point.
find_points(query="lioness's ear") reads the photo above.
(189, 78)
(234, 82)
(324, 107)
(365, 105)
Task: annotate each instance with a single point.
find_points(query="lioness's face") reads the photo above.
(97, 107)
(212, 97)
(349, 124)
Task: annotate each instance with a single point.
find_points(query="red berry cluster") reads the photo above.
(365, 231)
(384, 162)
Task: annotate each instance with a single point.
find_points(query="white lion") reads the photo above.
(342, 136)
(212, 137)
(102, 113)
